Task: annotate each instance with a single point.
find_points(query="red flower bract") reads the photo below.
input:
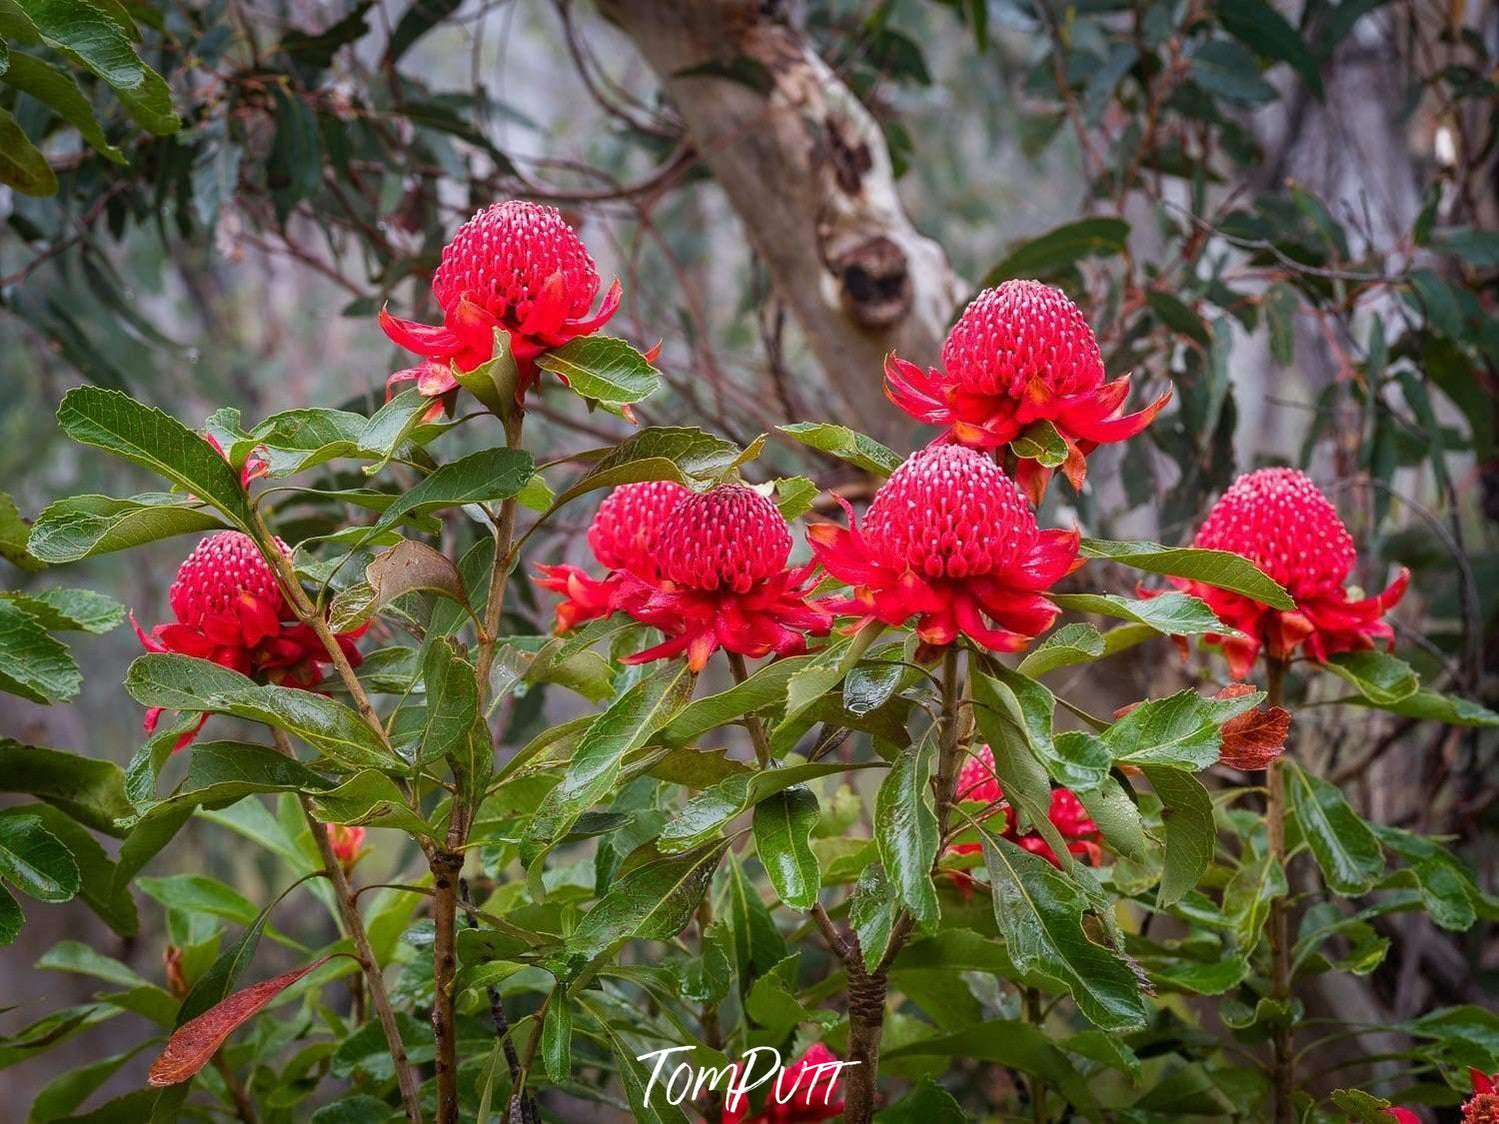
(516, 266)
(620, 536)
(1277, 518)
(977, 782)
(950, 540)
(1020, 353)
(805, 1091)
(347, 843)
(230, 610)
(721, 581)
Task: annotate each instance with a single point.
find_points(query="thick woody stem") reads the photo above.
(1283, 1058)
(348, 910)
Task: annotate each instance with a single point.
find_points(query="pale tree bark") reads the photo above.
(806, 169)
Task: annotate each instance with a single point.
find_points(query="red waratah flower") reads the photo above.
(230, 610)
(347, 843)
(255, 465)
(721, 581)
(516, 266)
(1403, 1115)
(950, 540)
(806, 1091)
(1020, 353)
(977, 782)
(620, 537)
(1276, 518)
(1483, 1106)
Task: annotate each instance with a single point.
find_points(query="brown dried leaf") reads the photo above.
(1253, 739)
(193, 1044)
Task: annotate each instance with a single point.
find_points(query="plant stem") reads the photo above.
(866, 988)
(1037, 1090)
(752, 721)
(499, 574)
(244, 1108)
(712, 1031)
(348, 909)
(1282, 1045)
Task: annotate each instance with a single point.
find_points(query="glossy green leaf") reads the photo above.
(33, 664)
(872, 912)
(1380, 678)
(452, 702)
(783, 824)
(557, 1037)
(184, 683)
(482, 477)
(1042, 443)
(369, 798)
(14, 532)
(390, 427)
(56, 88)
(82, 526)
(763, 689)
(653, 901)
(1217, 568)
(70, 610)
(1068, 646)
(97, 888)
(1060, 248)
(846, 444)
(1171, 613)
(1190, 836)
(683, 454)
(755, 944)
(87, 789)
(35, 862)
(1345, 848)
(1039, 912)
(602, 369)
(1182, 730)
(905, 829)
(709, 810)
(143, 435)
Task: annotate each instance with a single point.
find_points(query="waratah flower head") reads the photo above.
(1279, 520)
(977, 782)
(229, 609)
(517, 266)
(621, 537)
(721, 581)
(806, 1091)
(949, 540)
(1021, 353)
(1483, 1106)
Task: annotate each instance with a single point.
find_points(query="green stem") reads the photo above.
(752, 722)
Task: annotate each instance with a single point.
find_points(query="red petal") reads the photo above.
(426, 340)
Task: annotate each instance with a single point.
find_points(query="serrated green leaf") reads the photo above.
(1217, 568)
(143, 435)
(602, 369)
(71, 610)
(653, 901)
(1182, 730)
(1379, 677)
(56, 88)
(33, 664)
(685, 455)
(1190, 836)
(905, 829)
(1171, 613)
(1347, 851)
(872, 911)
(1068, 646)
(782, 824)
(89, 790)
(82, 526)
(482, 477)
(35, 862)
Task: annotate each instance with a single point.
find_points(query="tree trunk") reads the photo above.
(807, 170)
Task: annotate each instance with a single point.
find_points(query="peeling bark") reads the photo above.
(807, 170)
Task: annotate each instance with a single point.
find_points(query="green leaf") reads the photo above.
(1261, 28)
(754, 940)
(1060, 248)
(61, 1096)
(22, 165)
(905, 829)
(1187, 810)
(1040, 915)
(1247, 898)
(482, 477)
(184, 683)
(35, 862)
(1362, 1107)
(688, 456)
(389, 427)
(113, 904)
(89, 790)
(1217, 568)
(624, 727)
(1042, 443)
(452, 701)
(11, 918)
(795, 496)
(602, 369)
(13, 535)
(765, 688)
(221, 772)
(421, 17)
(927, 1103)
(653, 901)
(143, 435)
(845, 444)
(1346, 850)
(783, 824)
(1026, 709)
(89, 37)
(1068, 646)
(1226, 70)
(56, 88)
(197, 893)
(1171, 613)
(70, 610)
(1379, 677)
(872, 912)
(295, 440)
(1178, 316)
(646, 1109)
(34, 665)
(1008, 1042)
(557, 1037)
(709, 810)
(82, 526)
(1183, 730)
(369, 798)
(1117, 818)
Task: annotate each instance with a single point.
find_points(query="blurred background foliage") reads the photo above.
(1286, 212)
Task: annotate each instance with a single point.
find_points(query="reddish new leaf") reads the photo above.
(1256, 738)
(193, 1044)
